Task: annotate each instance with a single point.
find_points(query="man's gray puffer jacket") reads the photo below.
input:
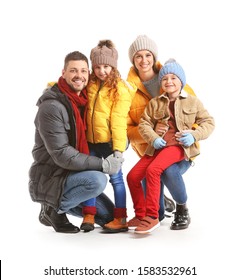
(54, 153)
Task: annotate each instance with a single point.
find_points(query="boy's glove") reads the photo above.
(187, 139)
(111, 165)
(159, 143)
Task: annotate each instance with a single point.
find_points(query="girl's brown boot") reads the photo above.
(89, 218)
(119, 224)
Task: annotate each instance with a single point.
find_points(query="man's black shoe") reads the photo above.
(49, 217)
(42, 217)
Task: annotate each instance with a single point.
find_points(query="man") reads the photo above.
(63, 175)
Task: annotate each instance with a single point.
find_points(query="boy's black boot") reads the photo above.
(181, 218)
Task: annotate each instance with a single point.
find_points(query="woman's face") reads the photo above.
(144, 61)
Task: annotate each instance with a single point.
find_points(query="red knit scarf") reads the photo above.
(79, 107)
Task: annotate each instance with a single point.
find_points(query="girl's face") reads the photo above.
(102, 71)
(170, 83)
(144, 61)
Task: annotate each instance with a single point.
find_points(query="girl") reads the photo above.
(109, 102)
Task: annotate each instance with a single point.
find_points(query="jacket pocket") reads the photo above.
(189, 116)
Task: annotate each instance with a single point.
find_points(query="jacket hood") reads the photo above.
(48, 93)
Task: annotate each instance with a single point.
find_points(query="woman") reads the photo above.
(143, 54)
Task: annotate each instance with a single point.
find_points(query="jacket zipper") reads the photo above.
(93, 111)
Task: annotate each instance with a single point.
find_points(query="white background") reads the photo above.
(203, 37)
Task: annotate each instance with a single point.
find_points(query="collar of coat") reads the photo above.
(182, 94)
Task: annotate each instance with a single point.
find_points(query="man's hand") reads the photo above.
(118, 154)
(111, 165)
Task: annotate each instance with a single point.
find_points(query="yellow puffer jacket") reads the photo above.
(106, 119)
(139, 102)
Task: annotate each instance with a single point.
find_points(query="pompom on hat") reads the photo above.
(104, 53)
(142, 42)
(172, 67)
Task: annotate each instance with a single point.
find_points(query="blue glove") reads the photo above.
(187, 139)
(159, 143)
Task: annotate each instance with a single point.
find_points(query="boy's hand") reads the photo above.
(186, 140)
(159, 143)
(161, 129)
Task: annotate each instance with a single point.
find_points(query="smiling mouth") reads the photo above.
(78, 82)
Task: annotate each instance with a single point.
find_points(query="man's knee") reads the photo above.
(98, 182)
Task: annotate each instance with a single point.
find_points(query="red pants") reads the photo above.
(151, 168)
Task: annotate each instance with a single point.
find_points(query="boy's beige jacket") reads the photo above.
(189, 110)
(139, 102)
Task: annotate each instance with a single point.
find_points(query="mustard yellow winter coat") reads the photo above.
(107, 119)
(139, 102)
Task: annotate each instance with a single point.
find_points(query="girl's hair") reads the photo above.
(111, 81)
(113, 78)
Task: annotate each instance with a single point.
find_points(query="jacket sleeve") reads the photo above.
(205, 123)
(147, 124)
(135, 113)
(53, 125)
(119, 116)
(133, 131)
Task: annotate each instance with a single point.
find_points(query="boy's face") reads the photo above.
(76, 74)
(170, 83)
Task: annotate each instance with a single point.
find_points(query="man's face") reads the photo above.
(76, 75)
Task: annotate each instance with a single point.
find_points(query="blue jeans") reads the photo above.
(173, 180)
(81, 186)
(103, 150)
